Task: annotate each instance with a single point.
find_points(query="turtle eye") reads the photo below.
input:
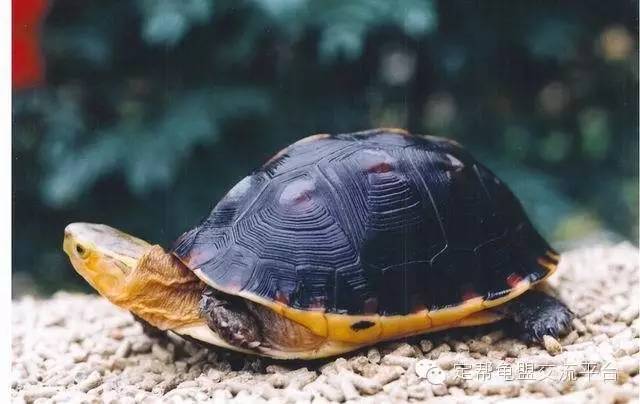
(82, 252)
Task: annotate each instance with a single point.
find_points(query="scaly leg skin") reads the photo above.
(229, 317)
(536, 314)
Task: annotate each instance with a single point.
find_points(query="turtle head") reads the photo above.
(103, 255)
(135, 275)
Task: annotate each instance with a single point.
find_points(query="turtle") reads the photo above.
(336, 243)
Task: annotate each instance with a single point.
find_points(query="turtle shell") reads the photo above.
(370, 225)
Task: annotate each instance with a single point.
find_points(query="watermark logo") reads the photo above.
(485, 371)
(427, 369)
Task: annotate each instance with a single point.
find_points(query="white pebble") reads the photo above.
(33, 393)
(426, 345)
(403, 361)
(92, 381)
(124, 349)
(629, 314)
(551, 345)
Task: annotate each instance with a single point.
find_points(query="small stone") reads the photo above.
(363, 384)
(418, 392)
(459, 346)
(629, 314)
(493, 354)
(373, 355)
(579, 326)
(495, 387)
(515, 349)
(124, 349)
(435, 352)
(33, 393)
(92, 381)
(492, 337)
(404, 350)
(478, 346)
(545, 388)
(448, 360)
(403, 361)
(359, 363)
(161, 354)
(570, 338)
(439, 389)
(551, 345)
(141, 346)
(629, 365)
(456, 391)
(345, 386)
(630, 347)
(116, 334)
(426, 345)
(387, 374)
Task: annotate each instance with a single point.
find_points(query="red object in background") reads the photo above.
(27, 63)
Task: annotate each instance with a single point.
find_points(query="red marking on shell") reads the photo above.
(297, 192)
(513, 280)
(375, 161)
(383, 167)
(418, 308)
(282, 297)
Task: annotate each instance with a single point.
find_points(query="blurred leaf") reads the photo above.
(517, 141)
(167, 21)
(540, 194)
(553, 37)
(578, 225)
(594, 128)
(149, 154)
(555, 146)
(87, 44)
(343, 25)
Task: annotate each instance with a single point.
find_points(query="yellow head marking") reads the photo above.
(103, 255)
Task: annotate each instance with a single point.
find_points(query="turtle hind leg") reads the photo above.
(535, 314)
(282, 334)
(229, 317)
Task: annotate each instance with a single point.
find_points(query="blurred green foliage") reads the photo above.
(153, 109)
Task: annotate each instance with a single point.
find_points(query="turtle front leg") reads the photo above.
(230, 318)
(536, 314)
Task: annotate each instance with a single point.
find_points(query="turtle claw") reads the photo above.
(536, 314)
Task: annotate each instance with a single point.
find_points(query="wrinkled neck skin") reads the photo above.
(162, 291)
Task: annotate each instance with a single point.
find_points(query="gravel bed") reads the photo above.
(80, 348)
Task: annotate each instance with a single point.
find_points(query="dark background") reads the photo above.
(149, 111)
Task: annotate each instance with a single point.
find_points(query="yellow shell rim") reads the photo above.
(339, 327)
